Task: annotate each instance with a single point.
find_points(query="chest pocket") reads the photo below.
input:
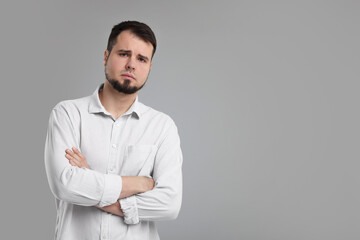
(139, 160)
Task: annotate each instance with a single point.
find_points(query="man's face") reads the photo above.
(128, 65)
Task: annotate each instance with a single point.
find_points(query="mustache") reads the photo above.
(127, 71)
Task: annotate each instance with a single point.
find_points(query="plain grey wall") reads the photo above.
(265, 95)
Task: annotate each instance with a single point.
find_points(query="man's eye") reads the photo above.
(142, 60)
(123, 54)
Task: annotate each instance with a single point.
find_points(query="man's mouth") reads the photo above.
(128, 75)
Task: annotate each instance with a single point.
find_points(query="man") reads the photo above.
(114, 164)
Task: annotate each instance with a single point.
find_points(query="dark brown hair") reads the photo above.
(141, 30)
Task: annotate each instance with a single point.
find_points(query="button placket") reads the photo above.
(105, 226)
(114, 145)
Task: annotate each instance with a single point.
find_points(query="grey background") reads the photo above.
(264, 93)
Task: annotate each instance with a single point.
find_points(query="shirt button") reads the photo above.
(114, 145)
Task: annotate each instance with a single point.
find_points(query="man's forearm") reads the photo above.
(131, 185)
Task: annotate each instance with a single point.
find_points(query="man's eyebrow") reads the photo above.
(123, 50)
(144, 57)
(129, 51)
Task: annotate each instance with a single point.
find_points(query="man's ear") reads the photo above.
(106, 56)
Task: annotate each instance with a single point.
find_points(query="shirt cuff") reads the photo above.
(112, 190)
(130, 210)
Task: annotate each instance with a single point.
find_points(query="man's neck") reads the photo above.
(114, 102)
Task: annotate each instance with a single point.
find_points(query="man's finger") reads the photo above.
(76, 151)
(70, 158)
(73, 163)
(72, 154)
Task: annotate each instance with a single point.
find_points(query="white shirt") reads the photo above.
(142, 142)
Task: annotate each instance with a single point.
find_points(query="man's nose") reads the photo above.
(130, 65)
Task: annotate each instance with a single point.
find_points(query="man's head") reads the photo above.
(127, 60)
(141, 30)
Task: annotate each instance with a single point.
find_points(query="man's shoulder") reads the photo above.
(72, 105)
(151, 114)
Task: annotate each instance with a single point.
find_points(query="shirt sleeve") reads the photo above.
(80, 186)
(164, 201)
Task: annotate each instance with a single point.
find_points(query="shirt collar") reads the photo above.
(95, 105)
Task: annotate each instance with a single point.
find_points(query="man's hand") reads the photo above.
(113, 209)
(76, 158)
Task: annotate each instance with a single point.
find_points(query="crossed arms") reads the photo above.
(131, 185)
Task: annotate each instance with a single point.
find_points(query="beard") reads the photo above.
(122, 87)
